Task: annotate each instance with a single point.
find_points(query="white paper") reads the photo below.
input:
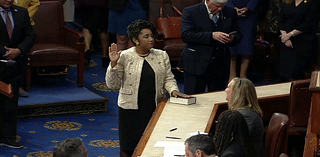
(196, 133)
(173, 150)
(168, 143)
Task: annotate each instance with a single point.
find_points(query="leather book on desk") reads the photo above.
(6, 89)
(184, 101)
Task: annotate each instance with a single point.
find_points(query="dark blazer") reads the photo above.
(234, 150)
(22, 35)
(256, 130)
(196, 32)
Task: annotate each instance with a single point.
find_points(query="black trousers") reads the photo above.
(9, 112)
(215, 78)
(8, 106)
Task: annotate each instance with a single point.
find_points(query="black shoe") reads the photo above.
(12, 144)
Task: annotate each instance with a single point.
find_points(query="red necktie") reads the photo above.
(8, 23)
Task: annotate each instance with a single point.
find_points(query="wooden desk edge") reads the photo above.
(147, 132)
(314, 81)
(311, 140)
(211, 119)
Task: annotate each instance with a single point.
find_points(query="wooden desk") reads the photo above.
(193, 118)
(313, 131)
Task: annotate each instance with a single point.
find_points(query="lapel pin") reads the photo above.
(15, 10)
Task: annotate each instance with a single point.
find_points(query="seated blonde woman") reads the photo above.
(241, 95)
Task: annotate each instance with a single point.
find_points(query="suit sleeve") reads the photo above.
(235, 27)
(230, 4)
(29, 38)
(188, 30)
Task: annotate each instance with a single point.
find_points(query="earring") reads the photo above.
(137, 43)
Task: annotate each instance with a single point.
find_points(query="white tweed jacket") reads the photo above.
(127, 73)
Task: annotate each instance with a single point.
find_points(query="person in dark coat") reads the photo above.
(17, 38)
(206, 29)
(297, 24)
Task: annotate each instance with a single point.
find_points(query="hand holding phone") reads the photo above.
(233, 32)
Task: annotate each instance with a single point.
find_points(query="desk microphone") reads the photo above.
(8, 62)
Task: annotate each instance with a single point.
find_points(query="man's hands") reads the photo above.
(222, 37)
(114, 54)
(241, 12)
(12, 53)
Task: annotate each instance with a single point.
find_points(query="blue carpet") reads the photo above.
(39, 136)
(56, 90)
(99, 131)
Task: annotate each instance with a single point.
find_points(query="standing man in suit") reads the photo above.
(32, 6)
(208, 29)
(16, 40)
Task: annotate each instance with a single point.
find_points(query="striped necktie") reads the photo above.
(8, 23)
(215, 18)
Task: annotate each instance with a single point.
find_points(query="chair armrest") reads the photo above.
(73, 38)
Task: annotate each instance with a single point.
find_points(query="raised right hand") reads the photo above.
(114, 54)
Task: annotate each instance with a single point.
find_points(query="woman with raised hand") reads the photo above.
(144, 76)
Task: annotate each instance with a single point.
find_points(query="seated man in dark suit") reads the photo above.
(16, 40)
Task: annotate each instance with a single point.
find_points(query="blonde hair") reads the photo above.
(244, 96)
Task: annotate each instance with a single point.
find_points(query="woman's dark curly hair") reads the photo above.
(134, 29)
(232, 126)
